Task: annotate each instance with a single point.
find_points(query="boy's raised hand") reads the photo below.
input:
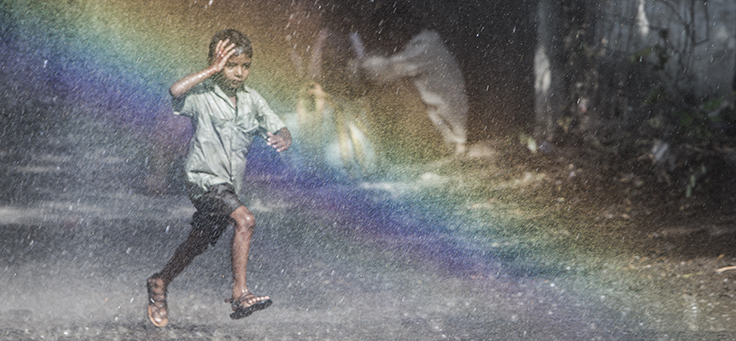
(223, 51)
(280, 142)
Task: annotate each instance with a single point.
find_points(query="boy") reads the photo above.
(226, 116)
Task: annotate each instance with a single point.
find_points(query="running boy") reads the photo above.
(226, 116)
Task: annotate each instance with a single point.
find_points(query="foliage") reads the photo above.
(657, 52)
(695, 125)
(700, 122)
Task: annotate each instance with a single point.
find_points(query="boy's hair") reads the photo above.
(241, 41)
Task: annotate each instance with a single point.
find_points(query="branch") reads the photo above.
(721, 270)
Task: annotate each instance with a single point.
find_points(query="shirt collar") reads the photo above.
(209, 84)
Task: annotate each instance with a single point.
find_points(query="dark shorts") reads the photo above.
(213, 211)
(219, 199)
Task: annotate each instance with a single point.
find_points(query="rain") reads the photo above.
(440, 185)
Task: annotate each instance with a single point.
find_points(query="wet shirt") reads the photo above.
(223, 132)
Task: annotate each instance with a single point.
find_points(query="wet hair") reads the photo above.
(241, 41)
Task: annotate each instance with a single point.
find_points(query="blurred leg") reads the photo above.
(195, 244)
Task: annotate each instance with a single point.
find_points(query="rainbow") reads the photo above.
(114, 61)
(126, 53)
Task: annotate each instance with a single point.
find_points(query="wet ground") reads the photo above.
(446, 250)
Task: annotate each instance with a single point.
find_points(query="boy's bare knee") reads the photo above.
(248, 221)
(245, 221)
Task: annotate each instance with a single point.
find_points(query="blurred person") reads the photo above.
(226, 116)
(330, 115)
(425, 60)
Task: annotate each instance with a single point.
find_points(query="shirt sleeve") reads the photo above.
(185, 104)
(267, 119)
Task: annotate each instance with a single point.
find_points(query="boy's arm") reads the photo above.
(222, 53)
(279, 141)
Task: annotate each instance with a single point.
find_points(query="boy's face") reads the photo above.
(235, 73)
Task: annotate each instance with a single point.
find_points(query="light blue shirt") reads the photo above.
(223, 134)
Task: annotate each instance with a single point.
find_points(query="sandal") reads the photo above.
(157, 308)
(241, 310)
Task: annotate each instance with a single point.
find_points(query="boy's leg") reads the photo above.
(244, 225)
(157, 284)
(244, 302)
(195, 245)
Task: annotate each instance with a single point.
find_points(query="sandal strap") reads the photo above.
(233, 299)
(155, 297)
(238, 303)
(153, 300)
